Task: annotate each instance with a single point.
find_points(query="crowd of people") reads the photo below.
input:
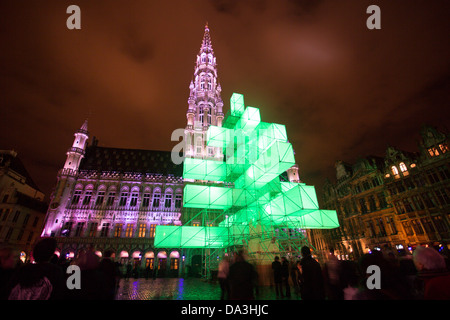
(47, 277)
(422, 275)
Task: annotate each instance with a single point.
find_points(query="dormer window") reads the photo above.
(394, 170)
(433, 152)
(403, 167)
(443, 147)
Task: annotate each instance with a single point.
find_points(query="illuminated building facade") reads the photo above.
(112, 199)
(401, 200)
(228, 194)
(22, 209)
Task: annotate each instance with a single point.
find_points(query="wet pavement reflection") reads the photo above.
(180, 289)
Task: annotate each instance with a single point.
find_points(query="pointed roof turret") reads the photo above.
(84, 128)
(206, 42)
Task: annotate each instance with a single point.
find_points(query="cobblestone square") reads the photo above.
(180, 289)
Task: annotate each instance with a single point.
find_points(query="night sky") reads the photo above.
(343, 91)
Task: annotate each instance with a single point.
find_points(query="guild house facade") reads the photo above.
(398, 201)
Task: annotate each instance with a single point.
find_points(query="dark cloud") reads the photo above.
(341, 90)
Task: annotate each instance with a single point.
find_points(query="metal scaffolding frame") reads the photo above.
(244, 201)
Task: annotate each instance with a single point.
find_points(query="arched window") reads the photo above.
(178, 199)
(87, 194)
(77, 194)
(394, 170)
(156, 198)
(403, 167)
(168, 199)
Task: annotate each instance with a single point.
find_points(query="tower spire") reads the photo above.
(206, 46)
(205, 102)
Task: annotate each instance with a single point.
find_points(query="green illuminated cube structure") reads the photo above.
(246, 186)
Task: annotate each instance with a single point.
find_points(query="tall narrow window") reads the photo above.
(168, 200)
(118, 230)
(142, 229)
(146, 200)
(25, 221)
(16, 216)
(362, 203)
(79, 229)
(129, 231)
(100, 197)
(123, 199)
(403, 167)
(178, 200)
(76, 197)
(156, 198)
(152, 230)
(111, 197)
(394, 170)
(134, 198)
(105, 229)
(93, 229)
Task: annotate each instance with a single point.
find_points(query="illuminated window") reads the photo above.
(196, 224)
(173, 264)
(87, 198)
(105, 229)
(178, 199)
(129, 230)
(142, 229)
(394, 170)
(93, 229)
(118, 230)
(433, 152)
(443, 147)
(403, 167)
(152, 230)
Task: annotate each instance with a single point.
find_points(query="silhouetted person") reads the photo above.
(7, 269)
(277, 276)
(94, 285)
(332, 277)
(109, 269)
(42, 280)
(312, 287)
(433, 275)
(349, 279)
(224, 270)
(285, 275)
(392, 285)
(242, 279)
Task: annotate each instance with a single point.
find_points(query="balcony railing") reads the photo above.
(76, 150)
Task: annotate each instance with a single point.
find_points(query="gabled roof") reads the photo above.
(14, 163)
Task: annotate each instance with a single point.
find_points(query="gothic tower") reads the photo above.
(65, 180)
(205, 103)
